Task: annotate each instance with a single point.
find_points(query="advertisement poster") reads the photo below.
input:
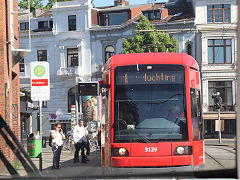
(89, 108)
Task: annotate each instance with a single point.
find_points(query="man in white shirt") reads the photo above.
(80, 141)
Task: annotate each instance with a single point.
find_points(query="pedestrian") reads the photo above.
(80, 141)
(57, 136)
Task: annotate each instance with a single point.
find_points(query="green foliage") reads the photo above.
(149, 41)
(23, 4)
(50, 3)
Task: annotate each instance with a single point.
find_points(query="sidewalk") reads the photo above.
(67, 167)
(92, 168)
(225, 142)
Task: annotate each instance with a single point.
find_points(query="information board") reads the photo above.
(40, 84)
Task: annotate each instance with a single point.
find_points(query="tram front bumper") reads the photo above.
(162, 161)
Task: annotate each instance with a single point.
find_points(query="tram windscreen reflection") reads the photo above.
(149, 104)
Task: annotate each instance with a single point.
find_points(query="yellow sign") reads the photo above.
(39, 71)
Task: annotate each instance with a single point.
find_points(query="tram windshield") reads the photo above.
(149, 104)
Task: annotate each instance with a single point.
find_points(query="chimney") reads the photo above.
(33, 11)
(121, 2)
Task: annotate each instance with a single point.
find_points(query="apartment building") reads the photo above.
(61, 37)
(77, 40)
(216, 24)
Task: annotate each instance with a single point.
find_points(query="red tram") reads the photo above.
(152, 111)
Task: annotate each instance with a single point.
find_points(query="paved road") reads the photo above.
(217, 157)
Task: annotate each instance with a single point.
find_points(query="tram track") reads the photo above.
(214, 159)
(222, 147)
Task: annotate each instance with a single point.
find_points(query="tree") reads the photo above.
(23, 4)
(50, 3)
(149, 41)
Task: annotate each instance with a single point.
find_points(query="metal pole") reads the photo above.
(40, 124)
(219, 132)
(76, 100)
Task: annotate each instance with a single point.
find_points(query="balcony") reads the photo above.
(67, 71)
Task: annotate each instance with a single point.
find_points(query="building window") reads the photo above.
(24, 26)
(42, 25)
(113, 18)
(42, 55)
(51, 24)
(218, 13)
(229, 127)
(72, 23)
(109, 52)
(72, 57)
(219, 51)
(225, 89)
(153, 15)
(21, 65)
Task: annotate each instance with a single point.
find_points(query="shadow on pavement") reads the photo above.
(70, 169)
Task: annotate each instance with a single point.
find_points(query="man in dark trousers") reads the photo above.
(80, 141)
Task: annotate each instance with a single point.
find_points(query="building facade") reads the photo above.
(216, 23)
(61, 37)
(77, 40)
(9, 75)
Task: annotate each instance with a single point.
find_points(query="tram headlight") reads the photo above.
(122, 151)
(180, 150)
(183, 150)
(119, 152)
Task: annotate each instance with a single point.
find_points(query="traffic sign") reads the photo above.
(40, 84)
(219, 125)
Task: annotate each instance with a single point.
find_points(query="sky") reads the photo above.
(99, 3)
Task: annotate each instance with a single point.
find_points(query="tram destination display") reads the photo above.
(149, 77)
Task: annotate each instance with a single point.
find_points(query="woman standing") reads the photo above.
(88, 111)
(57, 144)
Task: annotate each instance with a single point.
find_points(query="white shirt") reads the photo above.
(58, 140)
(79, 134)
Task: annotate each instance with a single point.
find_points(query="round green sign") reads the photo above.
(39, 71)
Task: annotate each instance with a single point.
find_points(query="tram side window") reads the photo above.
(196, 114)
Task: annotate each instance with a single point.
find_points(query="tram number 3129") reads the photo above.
(151, 149)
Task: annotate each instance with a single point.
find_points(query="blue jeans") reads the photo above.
(56, 155)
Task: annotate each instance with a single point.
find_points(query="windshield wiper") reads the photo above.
(143, 138)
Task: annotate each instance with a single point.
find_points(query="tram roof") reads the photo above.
(153, 58)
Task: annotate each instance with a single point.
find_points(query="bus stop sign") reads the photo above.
(40, 85)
